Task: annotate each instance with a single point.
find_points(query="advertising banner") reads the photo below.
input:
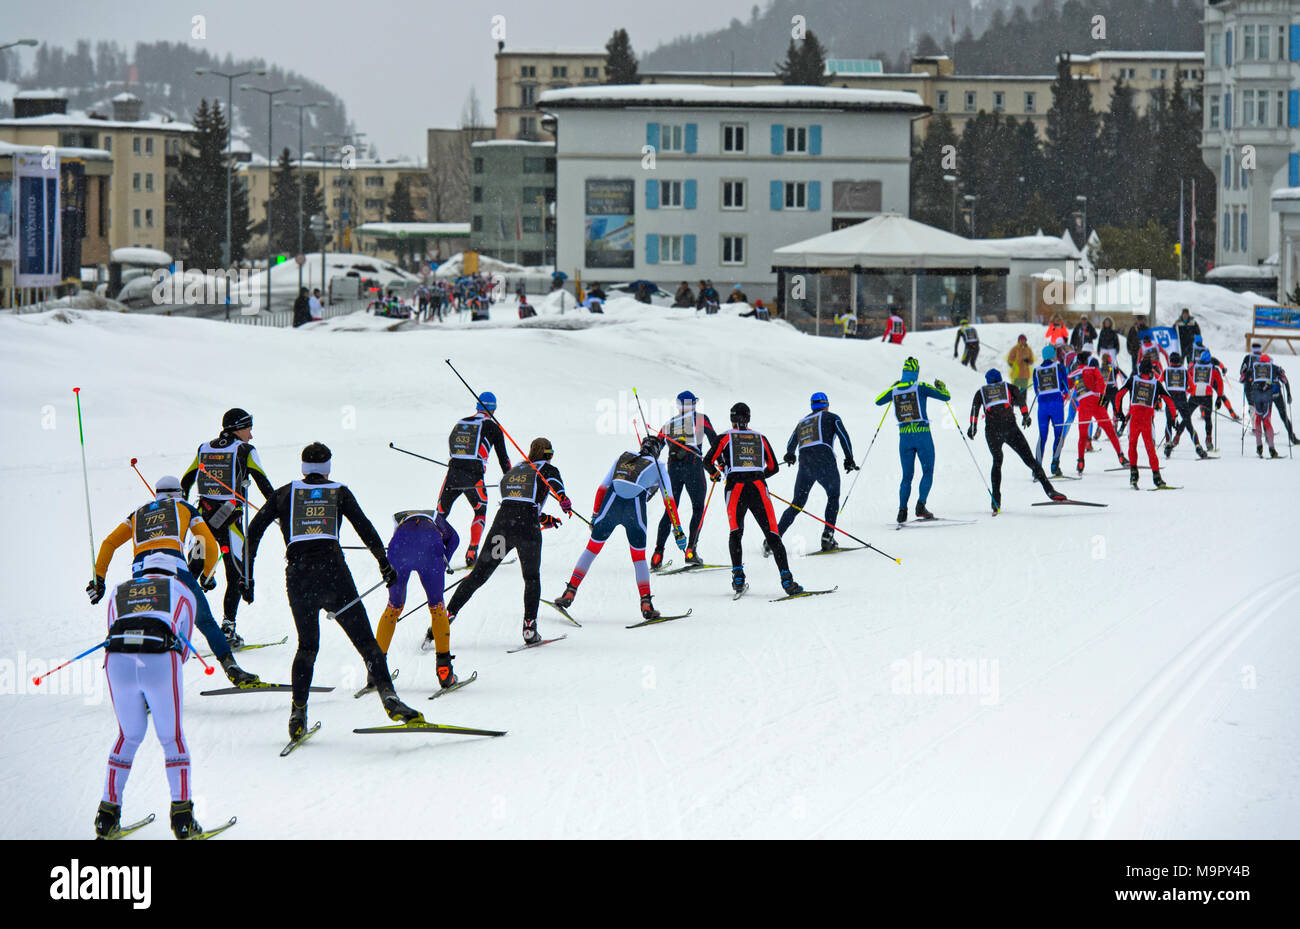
(610, 237)
(40, 244)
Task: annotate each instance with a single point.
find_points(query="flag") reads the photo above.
(501, 221)
(1193, 224)
(519, 224)
(954, 24)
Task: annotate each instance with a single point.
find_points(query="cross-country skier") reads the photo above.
(1177, 380)
(1265, 390)
(997, 398)
(1111, 375)
(1280, 384)
(228, 461)
(746, 456)
(813, 438)
(144, 663)
(692, 429)
(1154, 353)
(966, 335)
(895, 329)
(471, 440)
(908, 396)
(1050, 379)
(1145, 391)
(422, 543)
(310, 513)
(621, 501)
(1086, 389)
(1206, 381)
(163, 526)
(518, 525)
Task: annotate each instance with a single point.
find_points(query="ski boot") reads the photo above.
(183, 823)
(1259, 450)
(828, 541)
(1123, 461)
(108, 821)
(1133, 478)
(1272, 452)
(738, 579)
(235, 674)
(997, 506)
(1157, 479)
(427, 645)
(1055, 495)
(1169, 450)
(1201, 452)
(398, 711)
(657, 559)
(767, 549)
(233, 638)
(298, 720)
(789, 585)
(471, 556)
(531, 635)
(1056, 468)
(902, 514)
(1078, 468)
(692, 557)
(566, 599)
(922, 512)
(648, 610)
(446, 676)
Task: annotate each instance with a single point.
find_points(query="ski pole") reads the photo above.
(207, 668)
(968, 448)
(238, 496)
(678, 536)
(333, 614)
(492, 416)
(85, 480)
(870, 445)
(40, 677)
(836, 528)
(141, 476)
(426, 602)
(414, 455)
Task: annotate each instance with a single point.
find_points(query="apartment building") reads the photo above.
(146, 153)
(512, 194)
(1251, 131)
(523, 75)
(672, 182)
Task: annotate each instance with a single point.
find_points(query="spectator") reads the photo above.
(1057, 330)
(1108, 338)
(1187, 329)
(593, 305)
(317, 311)
(643, 292)
(1133, 342)
(526, 309)
(737, 295)
(685, 296)
(301, 309)
(597, 292)
(1020, 362)
(1083, 332)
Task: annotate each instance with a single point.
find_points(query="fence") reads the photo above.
(283, 318)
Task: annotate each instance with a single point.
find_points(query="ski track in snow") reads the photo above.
(1116, 633)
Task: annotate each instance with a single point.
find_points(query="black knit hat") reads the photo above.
(740, 414)
(316, 453)
(236, 419)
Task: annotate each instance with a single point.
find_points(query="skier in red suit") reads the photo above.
(1087, 386)
(1145, 392)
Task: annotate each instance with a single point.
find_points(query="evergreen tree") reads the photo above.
(931, 194)
(1148, 246)
(201, 195)
(1125, 162)
(282, 211)
(400, 210)
(620, 60)
(805, 63)
(1071, 149)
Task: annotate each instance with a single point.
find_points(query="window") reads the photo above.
(478, 194)
(559, 70)
(1248, 108)
(999, 101)
(670, 249)
(135, 181)
(338, 203)
(148, 219)
(339, 181)
(108, 143)
(374, 180)
(527, 127)
(1216, 49)
(476, 225)
(148, 181)
(534, 165)
(733, 249)
(590, 72)
(1261, 108)
(733, 195)
(733, 138)
(527, 94)
(670, 194)
(478, 165)
(1214, 111)
(1234, 228)
(148, 145)
(1244, 179)
(1247, 42)
(970, 101)
(1031, 101)
(672, 138)
(1159, 74)
(941, 101)
(1227, 170)
(1280, 112)
(1128, 74)
(374, 203)
(1227, 224)
(135, 218)
(796, 195)
(1281, 43)
(796, 140)
(528, 71)
(135, 145)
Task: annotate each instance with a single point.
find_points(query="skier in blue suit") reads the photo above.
(908, 395)
(1051, 382)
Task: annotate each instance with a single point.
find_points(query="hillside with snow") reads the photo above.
(1052, 672)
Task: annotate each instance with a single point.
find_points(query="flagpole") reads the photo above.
(1191, 268)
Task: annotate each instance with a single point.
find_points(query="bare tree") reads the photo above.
(451, 163)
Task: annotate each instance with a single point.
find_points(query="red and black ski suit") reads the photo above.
(748, 460)
(1144, 393)
(1087, 386)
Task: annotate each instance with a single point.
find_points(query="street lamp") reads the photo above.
(970, 198)
(28, 42)
(952, 179)
(227, 247)
(1084, 200)
(270, 164)
(301, 107)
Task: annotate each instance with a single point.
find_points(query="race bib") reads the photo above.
(1047, 380)
(1176, 379)
(746, 452)
(519, 483)
(1144, 393)
(157, 520)
(151, 596)
(808, 432)
(216, 474)
(314, 513)
(907, 408)
(630, 467)
(463, 441)
(994, 395)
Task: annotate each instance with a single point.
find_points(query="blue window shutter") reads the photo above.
(778, 195)
(1293, 108)
(814, 140)
(814, 195)
(652, 195)
(1243, 230)
(652, 249)
(1227, 111)
(652, 135)
(1293, 170)
(688, 194)
(688, 249)
(1295, 43)
(692, 134)
(778, 140)
(1227, 48)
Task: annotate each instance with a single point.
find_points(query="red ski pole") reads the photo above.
(141, 476)
(238, 496)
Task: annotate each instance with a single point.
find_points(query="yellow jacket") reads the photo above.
(1021, 361)
(160, 526)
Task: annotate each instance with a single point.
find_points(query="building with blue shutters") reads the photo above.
(685, 182)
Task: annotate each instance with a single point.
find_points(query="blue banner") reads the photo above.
(1164, 336)
(1277, 317)
(36, 197)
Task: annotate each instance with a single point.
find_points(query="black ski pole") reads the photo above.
(426, 602)
(414, 455)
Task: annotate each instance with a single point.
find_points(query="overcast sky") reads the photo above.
(400, 65)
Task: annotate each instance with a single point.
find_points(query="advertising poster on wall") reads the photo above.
(610, 223)
(7, 244)
(36, 197)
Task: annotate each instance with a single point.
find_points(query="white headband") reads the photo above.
(316, 467)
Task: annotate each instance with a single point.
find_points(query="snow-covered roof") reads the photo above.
(702, 95)
(889, 241)
(556, 50)
(126, 97)
(512, 142)
(64, 151)
(1286, 193)
(82, 120)
(152, 257)
(404, 230)
(1261, 272)
(1035, 246)
(40, 95)
(1142, 56)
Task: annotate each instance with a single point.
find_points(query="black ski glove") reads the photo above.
(971, 431)
(547, 521)
(850, 465)
(388, 573)
(246, 590)
(95, 590)
(1218, 404)
(208, 583)
(1026, 420)
(789, 458)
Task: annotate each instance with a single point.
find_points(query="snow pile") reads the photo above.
(992, 684)
(454, 267)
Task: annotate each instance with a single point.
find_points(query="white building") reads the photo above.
(1251, 111)
(1286, 205)
(673, 182)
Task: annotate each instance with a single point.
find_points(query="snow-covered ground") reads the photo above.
(1052, 672)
